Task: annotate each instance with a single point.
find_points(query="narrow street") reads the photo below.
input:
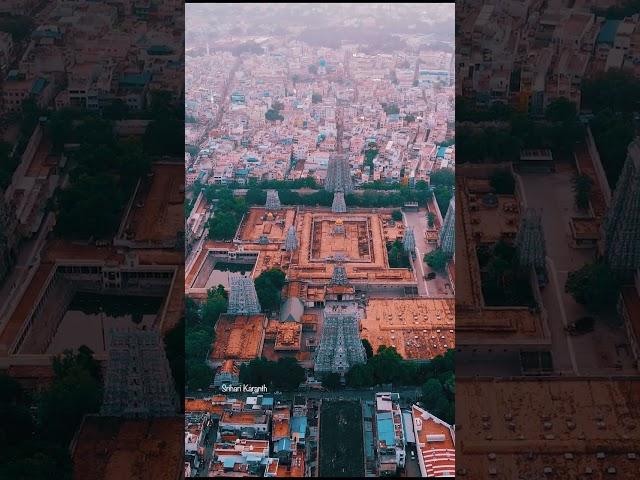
(426, 288)
(593, 353)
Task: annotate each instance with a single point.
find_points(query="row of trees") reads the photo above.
(105, 170)
(365, 198)
(443, 182)
(36, 440)
(437, 377)
(594, 285)
(614, 99)
(228, 212)
(286, 374)
(200, 321)
(559, 130)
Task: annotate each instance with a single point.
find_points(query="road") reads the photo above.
(426, 288)
(225, 102)
(406, 393)
(593, 353)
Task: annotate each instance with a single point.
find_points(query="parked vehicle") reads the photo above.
(580, 326)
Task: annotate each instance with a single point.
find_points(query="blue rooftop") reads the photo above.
(386, 433)
(441, 151)
(135, 79)
(267, 401)
(284, 444)
(38, 86)
(46, 34)
(608, 31)
(299, 425)
(159, 50)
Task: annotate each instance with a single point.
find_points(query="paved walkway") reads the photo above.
(592, 353)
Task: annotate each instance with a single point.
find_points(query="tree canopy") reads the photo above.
(437, 260)
(594, 285)
(268, 287)
(285, 374)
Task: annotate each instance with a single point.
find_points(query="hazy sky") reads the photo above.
(222, 21)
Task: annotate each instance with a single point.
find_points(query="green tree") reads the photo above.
(287, 374)
(437, 260)
(561, 110)
(396, 215)
(75, 391)
(386, 365)
(391, 109)
(222, 227)
(256, 372)
(360, 376)
(316, 98)
(502, 182)
(118, 110)
(431, 217)
(581, 186)
(273, 115)
(410, 118)
(432, 392)
(197, 343)
(214, 305)
(443, 176)
(268, 287)
(199, 375)
(594, 285)
(18, 26)
(367, 348)
(60, 126)
(331, 381)
(191, 311)
(443, 194)
(422, 185)
(91, 206)
(163, 136)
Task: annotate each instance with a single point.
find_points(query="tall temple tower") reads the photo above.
(291, 241)
(338, 175)
(273, 200)
(338, 205)
(339, 275)
(447, 239)
(243, 299)
(138, 381)
(409, 240)
(340, 345)
(530, 241)
(622, 224)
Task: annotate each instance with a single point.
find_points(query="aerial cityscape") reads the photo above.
(91, 239)
(404, 240)
(320, 237)
(548, 254)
